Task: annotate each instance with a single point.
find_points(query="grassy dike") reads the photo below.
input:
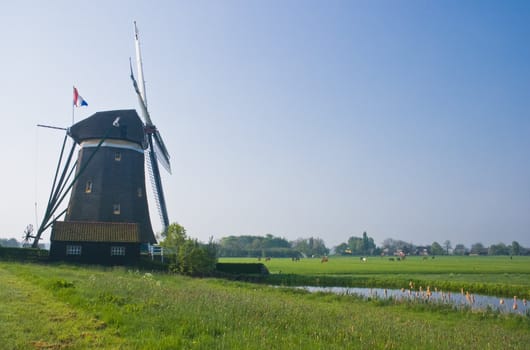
(70, 307)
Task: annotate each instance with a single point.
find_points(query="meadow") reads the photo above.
(80, 307)
(490, 275)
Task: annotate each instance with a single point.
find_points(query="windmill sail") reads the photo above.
(143, 106)
(156, 182)
(157, 148)
(161, 151)
(159, 145)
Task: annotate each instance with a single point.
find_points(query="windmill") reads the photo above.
(108, 205)
(27, 235)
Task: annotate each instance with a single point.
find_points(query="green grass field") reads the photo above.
(72, 307)
(497, 276)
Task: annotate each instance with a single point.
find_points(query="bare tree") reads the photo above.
(447, 246)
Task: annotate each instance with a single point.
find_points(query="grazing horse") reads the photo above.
(363, 259)
(324, 259)
(268, 258)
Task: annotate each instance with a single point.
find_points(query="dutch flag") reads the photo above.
(78, 100)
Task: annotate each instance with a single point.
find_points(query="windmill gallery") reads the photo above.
(107, 218)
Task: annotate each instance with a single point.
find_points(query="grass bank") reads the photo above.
(68, 307)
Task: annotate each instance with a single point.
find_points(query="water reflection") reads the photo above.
(459, 300)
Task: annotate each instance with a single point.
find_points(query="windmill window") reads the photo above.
(117, 251)
(117, 156)
(73, 250)
(116, 209)
(88, 187)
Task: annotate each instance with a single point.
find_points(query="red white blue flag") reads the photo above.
(78, 100)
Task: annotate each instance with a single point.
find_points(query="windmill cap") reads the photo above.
(130, 127)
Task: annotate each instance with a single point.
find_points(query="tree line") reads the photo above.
(270, 246)
(363, 245)
(11, 243)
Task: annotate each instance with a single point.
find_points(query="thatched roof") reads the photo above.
(102, 232)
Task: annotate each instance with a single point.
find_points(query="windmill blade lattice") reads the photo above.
(161, 151)
(156, 182)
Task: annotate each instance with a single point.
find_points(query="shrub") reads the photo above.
(242, 268)
(186, 255)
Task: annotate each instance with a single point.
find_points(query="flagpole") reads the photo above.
(78, 101)
(73, 109)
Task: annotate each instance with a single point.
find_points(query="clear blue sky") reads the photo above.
(405, 119)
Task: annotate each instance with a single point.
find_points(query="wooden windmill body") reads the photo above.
(107, 219)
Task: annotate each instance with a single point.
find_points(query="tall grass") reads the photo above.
(126, 309)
